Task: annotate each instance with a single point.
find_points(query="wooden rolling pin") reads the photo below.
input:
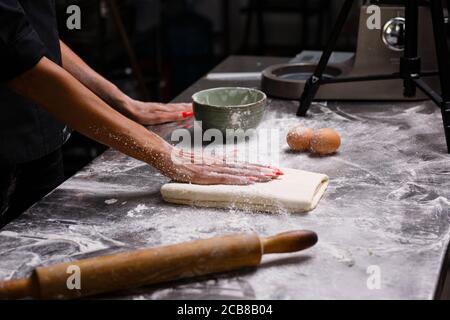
(154, 265)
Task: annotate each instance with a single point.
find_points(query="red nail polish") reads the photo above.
(279, 173)
(187, 114)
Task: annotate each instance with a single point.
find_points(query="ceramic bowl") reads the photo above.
(229, 108)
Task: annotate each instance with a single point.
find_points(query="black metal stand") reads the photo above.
(410, 64)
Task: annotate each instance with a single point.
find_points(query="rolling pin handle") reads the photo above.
(289, 242)
(18, 289)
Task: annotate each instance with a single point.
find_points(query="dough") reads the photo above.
(296, 191)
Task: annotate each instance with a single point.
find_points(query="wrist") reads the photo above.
(162, 158)
(124, 104)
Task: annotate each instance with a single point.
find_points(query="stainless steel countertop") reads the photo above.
(386, 209)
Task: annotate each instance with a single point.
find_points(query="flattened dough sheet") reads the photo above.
(296, 191)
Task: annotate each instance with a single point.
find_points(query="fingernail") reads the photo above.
(187, 114)
(279, 173)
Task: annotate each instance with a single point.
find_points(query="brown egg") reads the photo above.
(325, 141)
(299, 138)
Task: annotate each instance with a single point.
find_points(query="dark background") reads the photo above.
(176, 42)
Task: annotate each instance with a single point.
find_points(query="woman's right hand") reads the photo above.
(197, 169)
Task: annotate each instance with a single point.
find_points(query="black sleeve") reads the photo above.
(20, 46)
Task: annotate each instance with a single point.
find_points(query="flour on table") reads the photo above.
(137, 212)
(111, 201)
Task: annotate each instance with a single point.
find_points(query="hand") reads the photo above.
(191, 168)
(152, 113)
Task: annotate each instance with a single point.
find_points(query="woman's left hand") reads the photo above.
(152, 113)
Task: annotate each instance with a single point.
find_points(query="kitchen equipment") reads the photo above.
(229, 108)
(155, 265)
(410, 70)
(378, 52)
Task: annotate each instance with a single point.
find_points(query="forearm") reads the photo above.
(103, 88)
(71, 102)
(146, 113)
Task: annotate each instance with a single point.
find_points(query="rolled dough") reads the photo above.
(296, 191)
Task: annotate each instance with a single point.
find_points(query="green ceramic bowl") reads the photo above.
(229, 108)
